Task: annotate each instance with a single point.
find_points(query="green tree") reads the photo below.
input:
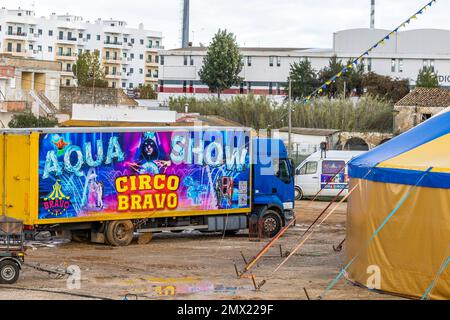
(147, 92)
(334, 67)
(427, 78)
(29, 120)
(385, 87)
(89, 71)
(353, 79)
(303, 79)
(222, 63)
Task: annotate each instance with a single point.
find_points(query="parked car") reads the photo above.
(315, 172)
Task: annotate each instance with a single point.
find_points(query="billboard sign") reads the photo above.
(107, 173)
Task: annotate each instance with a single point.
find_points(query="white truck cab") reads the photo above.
(315, 172)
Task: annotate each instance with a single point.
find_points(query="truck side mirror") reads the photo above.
(297, 172)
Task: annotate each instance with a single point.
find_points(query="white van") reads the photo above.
(313, 174)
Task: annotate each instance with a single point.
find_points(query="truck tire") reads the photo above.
(9, 272)
(119, 233)
(298, 194)
(271, 223)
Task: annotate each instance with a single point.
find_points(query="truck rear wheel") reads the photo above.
(9, 272)
(270, 223)
(119, 233)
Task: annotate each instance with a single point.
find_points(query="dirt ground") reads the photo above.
(197, 266)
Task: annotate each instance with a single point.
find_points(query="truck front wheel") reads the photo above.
(119, 233)
(9, 272)
(298, 194)
(270, 223)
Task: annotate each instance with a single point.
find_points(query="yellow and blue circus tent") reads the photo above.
(398, 224)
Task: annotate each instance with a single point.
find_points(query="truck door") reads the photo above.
(308, 178)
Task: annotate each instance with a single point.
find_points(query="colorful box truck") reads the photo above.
(111, 183)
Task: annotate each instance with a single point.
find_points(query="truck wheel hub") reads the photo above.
(8, 273)
(270, 224)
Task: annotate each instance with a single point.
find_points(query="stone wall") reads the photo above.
(409, 117)
(93, 96)
(372, 139)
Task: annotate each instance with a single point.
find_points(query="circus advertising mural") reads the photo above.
(93, 174)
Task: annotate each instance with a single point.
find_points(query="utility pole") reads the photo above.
(290, 120)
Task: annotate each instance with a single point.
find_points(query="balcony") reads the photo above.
(112, 60)
(113, 75)
(67, 40)
(151, 63)
(113, 44)
(16, 35)
(66, 56)
(154, 47)
(151, 77)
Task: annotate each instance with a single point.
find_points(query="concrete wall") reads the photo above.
(93, 96)
(121, 113)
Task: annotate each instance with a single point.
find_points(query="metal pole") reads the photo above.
(372, 14)
(290, 120)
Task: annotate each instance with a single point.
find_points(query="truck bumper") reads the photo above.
(288, 216)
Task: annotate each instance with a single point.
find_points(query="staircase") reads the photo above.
(44, 104)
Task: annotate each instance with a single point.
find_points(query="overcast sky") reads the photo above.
(276, 23)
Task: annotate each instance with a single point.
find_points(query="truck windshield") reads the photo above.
(282, 171)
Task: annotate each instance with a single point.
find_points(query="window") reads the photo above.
(61, 35)
(162, 60)
(156, 59)
(132, 56)
(80, 51)
(428, 64)
(130, 85)
(68, 82)
(132, 40)
(9, 47)
(278, 61)
(107, 55)
(60, 51)
(393, 65)
(141, 57)
(281, 169)
(125, 39)
(88, 36)
(10, 30)
(98, 37)
(142, 41)
(249, 61)
(161, 86)
(108, 39)
(271, 61)
(50, 49)
(141, 71)
(185, 60)
(80, 35)
(30, 47)
(124, 85)
(69, 67)
(19, 47)
(131, 70)
(425, 116)
(50, 33)
(191, 61)
(270, 88)
(149, 58)
(40, 48)
(278, 89)
(309, 168)
(184, 86)
(249, 87)
(40, 32)
(432, 65)
(31, 30)
(69, 36)
(19, 30)
(400, 65)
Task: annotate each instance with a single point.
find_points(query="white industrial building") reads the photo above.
(265, 70)
(129, 56)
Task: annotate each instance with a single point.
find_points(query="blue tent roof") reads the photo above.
(366, 165)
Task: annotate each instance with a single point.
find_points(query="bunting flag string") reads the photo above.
(360, 59)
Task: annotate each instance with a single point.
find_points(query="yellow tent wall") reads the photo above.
(411, 247)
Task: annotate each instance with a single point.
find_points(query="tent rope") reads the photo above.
(402, 201)
(438, 275)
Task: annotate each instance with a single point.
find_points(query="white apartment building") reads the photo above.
(129, 56)
(266, 70)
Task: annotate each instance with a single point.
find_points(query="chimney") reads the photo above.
(372, 14)
(185, 35)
